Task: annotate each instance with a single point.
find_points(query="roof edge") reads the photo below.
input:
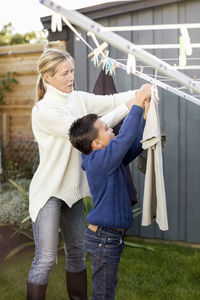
(114, 8)
(121, 7)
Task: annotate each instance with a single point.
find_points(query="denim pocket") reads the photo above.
(93, 238)
(112, 242)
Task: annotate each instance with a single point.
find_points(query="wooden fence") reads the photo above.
(15, 113)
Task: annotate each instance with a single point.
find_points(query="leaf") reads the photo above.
(18, 249)
(134, 245)
(3, 225)
(8, 89)
(61, 248)
(13, 234)
(25, 219)
(137, 214)
(25, 233)
(14, 80)
(20, 188)
(136, 209)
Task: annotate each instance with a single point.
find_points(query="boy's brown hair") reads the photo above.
(82, 133)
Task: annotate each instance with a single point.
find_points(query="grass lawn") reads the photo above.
(171, 272)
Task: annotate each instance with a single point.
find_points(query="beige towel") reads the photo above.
(154, 199)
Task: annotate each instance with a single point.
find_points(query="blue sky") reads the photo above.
(25, 14)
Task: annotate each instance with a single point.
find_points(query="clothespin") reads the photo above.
(155, 76)
(182, 53)
(186, 40)
(185, 46)
(131, 64)
(78, 37)
(154, 91)
(56, 22)
(89, 33)
(96, 52)
(141, 68)
(108, 64)
(95, 57)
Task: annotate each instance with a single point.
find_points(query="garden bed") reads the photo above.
(8, 242)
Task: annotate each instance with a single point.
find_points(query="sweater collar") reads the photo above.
(55, 96)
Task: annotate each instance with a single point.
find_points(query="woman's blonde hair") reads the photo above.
(47, 64)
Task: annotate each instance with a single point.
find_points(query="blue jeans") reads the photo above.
(105, 247)
(54, 215)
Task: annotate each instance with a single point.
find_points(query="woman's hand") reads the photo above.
(141, 95)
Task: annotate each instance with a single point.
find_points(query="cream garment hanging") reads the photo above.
(154, 199)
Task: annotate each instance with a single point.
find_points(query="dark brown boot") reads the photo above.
(36, 291)
(77, 285)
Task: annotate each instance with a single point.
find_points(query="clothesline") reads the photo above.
(138, 73)
(167, 59)
(153, 80)
(174, 66)
(166, 46)
(89, 25)
(190, 67)
(164, 86)
(151, 27)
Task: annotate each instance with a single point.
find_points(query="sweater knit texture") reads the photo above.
(59, 172)
(107, 176)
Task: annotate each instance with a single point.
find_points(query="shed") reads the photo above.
(179, 119)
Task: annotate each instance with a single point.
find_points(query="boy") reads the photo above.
(104, 159)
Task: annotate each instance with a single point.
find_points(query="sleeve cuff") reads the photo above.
(116, 115)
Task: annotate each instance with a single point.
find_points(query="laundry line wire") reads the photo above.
(165, 59)
(137, 73)
(151, 80)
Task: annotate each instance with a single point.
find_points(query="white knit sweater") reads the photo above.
(59, 173)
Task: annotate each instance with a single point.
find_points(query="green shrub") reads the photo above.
(14, 205)
(6, 80)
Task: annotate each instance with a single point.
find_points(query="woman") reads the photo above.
(59, 184)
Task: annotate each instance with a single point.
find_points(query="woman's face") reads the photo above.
(63, 79)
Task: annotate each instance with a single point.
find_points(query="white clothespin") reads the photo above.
(131, 64)
(78, 37)
(89, 33)
(141, 68)
(154, 90)
(96, 52)
(155, 76)
(182, 53)
(186, 40)
(56, 22)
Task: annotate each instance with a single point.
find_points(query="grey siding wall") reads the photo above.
(180, 120)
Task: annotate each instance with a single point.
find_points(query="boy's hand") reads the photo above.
(142, 95)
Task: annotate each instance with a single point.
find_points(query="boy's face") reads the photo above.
(104, 136)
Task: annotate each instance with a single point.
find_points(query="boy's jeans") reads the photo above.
(54, 214)
(105, 247)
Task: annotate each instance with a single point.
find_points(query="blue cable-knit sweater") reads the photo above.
(107, 175)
